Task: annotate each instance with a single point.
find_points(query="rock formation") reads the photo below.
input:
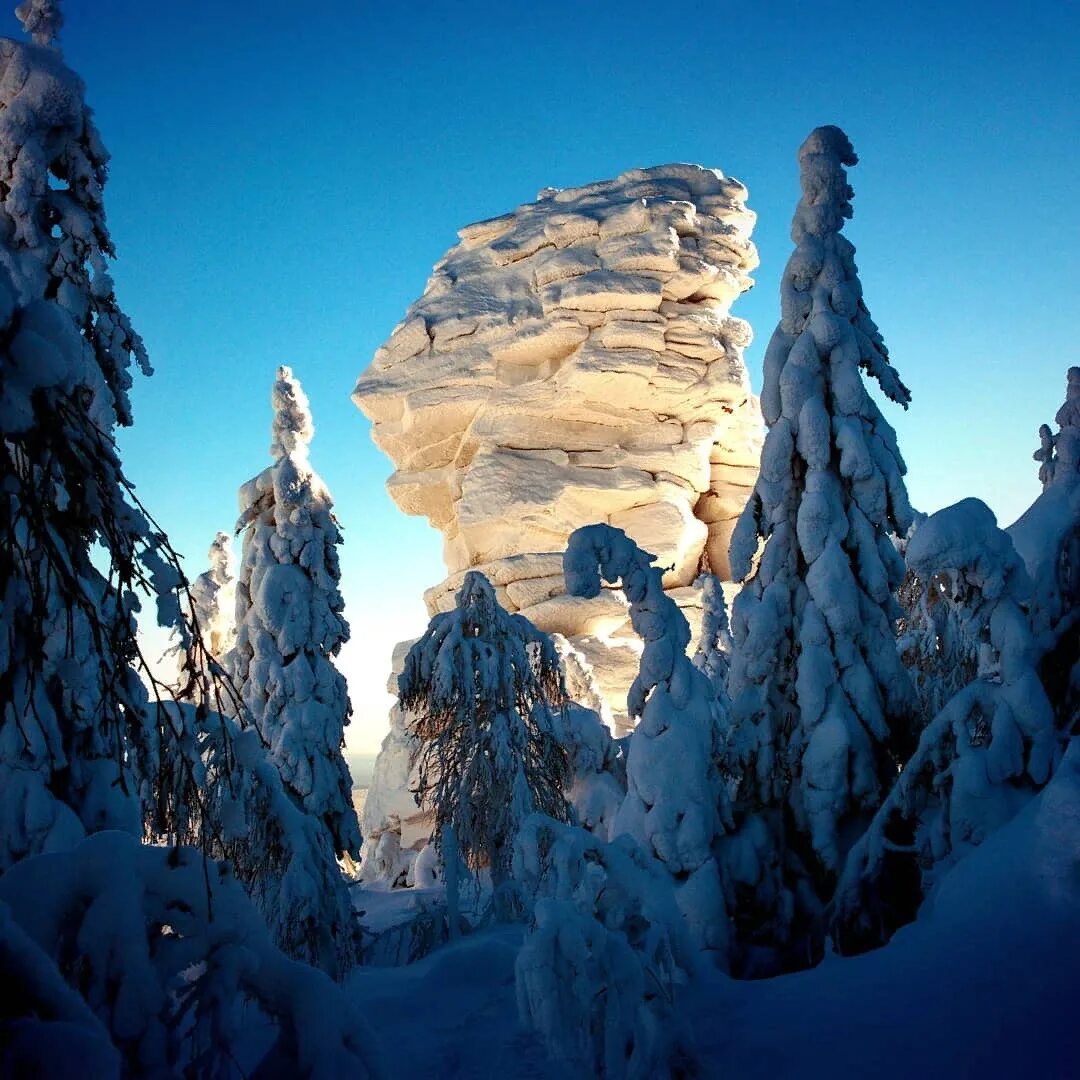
(575, 362)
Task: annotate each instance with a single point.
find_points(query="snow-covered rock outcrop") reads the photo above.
(575, 362)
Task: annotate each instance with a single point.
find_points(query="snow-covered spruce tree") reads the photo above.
(81, 746)
(980, 759)
(480, 688)
(821, 703)
(289, 626)
(606, 948)
(714, 648)
(213, 602)
(675, 804)
(214, 594)
(82, 749)
(1059, 454)
(78, 748)
(1047, 537)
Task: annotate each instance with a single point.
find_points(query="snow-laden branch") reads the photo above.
(480, 689)
(988, 750)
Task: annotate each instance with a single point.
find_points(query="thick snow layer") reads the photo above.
(983, 984)
(170, 956)
(213, 595)
(989, 749)
(77, 746)
(453, 1015)
(1047, 538)
(1059, 454)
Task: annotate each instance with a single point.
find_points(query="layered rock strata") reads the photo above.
(575, 362)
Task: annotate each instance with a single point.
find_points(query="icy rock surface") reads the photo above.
(575, 362)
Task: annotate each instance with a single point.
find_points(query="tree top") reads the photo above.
(42, 20)
(293, 428)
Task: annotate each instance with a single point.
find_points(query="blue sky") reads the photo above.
(284, 176)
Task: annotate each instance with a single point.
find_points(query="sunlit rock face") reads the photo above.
(572, 362)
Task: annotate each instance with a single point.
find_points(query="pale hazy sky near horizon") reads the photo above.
(285, 175)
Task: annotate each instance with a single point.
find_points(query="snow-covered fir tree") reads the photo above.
(821, 702)
(1047, 536)
(1059, 455)
(675, 805)
(985, 753)
(933, 641)
(480, 688)
(289, 621)
(83, 747)
(605, 951)
(41, 19)
(78, 749)
(125, 960)
(214, 594)
(714, 647)
(213, 606)
(289, 626)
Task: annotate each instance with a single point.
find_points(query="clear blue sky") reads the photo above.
(284, 176)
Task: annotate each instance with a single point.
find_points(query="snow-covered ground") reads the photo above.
(984, 984)
(454, 1014)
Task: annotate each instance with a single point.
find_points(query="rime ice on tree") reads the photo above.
(1047, 538)
(120, 938)
(480, 687)
(1059, 454)
(41, 19)
(175, 968)
(714, 648)
(982, 756)
(605, 951)
(77, 748)
(818, 690)
(289, 626)
(214, 594)
(290, 623)
(675, 798)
